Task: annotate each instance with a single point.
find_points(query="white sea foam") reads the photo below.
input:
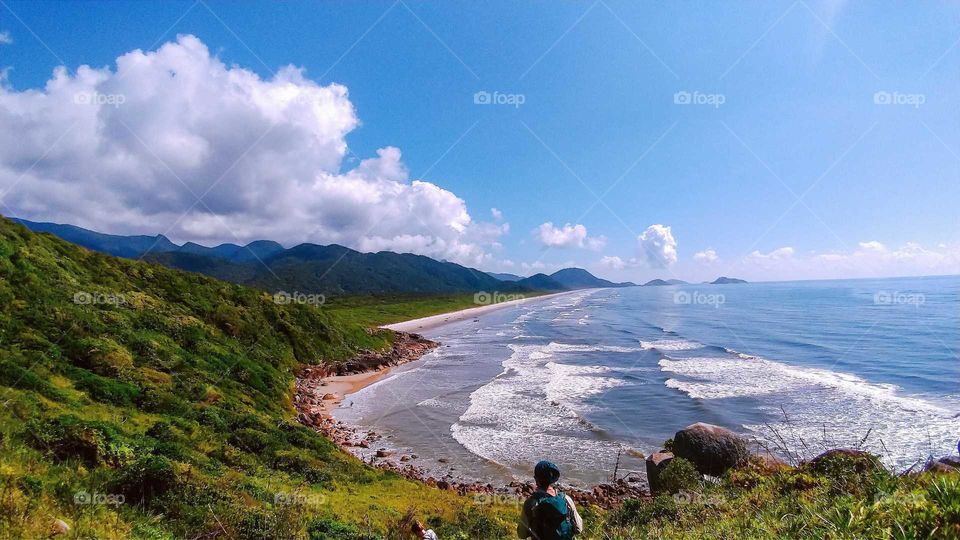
(821, 403)
(555, 347)
(537, 398)
(671, 345)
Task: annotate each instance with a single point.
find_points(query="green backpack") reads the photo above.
(551, 517)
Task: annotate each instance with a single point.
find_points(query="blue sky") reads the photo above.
(788, 164)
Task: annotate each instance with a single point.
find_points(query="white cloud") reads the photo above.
(497, 214)
(5, 38)
(775, 255)
(657, 247)
(568, 236)
(613, 263)
(872, 246)
(708, 256)
(869, 259)
(536, 265)
(129, 151)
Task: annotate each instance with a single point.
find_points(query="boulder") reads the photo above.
(950, 461)
(947, 464)
(59, 527)
(656, 463)
(712, 449)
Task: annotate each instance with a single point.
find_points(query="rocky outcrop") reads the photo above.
(712, 449)
(656, 463)
(406, 348)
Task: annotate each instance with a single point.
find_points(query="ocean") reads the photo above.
(593, 379)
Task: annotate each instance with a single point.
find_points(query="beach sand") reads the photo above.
(428, 323)
(340, 386)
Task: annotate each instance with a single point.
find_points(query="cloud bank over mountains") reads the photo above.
(175, 141)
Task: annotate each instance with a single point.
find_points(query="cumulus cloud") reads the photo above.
(613, 262)
(131, 149)
(497, 214)
(708, 256)
(568, 236)
(5, 38)
(657, 247)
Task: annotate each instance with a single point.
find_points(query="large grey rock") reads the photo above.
(712, 449)
(656, 463)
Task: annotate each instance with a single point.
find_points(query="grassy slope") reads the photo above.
(173, 391)
(176, 396)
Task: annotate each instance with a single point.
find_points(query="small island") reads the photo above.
(723, 280)
(664, 282)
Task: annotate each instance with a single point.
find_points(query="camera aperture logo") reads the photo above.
(95, 498)
(697, 298)
(685, 97)
(498, 98)
(484, 298)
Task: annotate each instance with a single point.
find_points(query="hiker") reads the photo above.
(423, 532)
(548, 514)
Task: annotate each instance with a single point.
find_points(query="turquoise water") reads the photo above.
(580, 378)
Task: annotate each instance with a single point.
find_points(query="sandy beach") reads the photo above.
(427, 323)
(336, 388)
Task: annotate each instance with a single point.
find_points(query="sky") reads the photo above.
(771, 141)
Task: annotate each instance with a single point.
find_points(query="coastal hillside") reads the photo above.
(144, 402)
(171, 392)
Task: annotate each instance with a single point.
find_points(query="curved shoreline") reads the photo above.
(320, 390)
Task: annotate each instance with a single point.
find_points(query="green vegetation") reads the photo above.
(142, 402)
(840, 497)
(139, 401)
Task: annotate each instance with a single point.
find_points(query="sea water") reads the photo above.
(594, 378)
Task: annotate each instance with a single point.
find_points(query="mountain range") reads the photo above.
(312, 268)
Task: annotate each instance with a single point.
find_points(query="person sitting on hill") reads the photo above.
(548, 514)
(423, 532)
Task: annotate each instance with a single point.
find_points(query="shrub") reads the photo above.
(639, 512)
(849, 473)
(146, 478)
(66, 437)
(331, 529)
(679, 475)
